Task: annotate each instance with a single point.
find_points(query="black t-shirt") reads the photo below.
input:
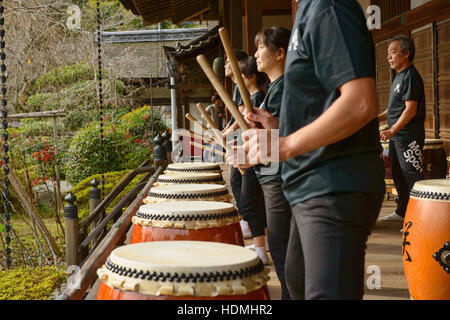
(237, 99)
(407, 85)
(257, 98)
(272, 103)
(330, 45)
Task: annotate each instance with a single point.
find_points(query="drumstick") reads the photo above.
(222, 92)
(236, 71)
(193, 135)
(193, 120)
(198, 145)
(212, 125)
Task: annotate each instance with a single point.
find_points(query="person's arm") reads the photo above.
(355, 108)
(409, 113)
(383, 116)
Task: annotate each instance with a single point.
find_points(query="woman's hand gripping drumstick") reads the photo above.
(210, 74)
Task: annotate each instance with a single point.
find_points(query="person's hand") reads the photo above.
(386, 134)
(257, 148)
(261, 119)
(228, 132)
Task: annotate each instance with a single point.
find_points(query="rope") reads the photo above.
(5, 146)
(100, 95)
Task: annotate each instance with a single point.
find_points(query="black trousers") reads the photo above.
(407, 169)
(326, 250)
(249, 200)
(278, 212)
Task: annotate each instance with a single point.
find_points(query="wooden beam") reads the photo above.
(253, 23)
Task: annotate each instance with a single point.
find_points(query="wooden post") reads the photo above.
(253, 23)
(167, 144)
(159, 153)
(294, 10)
(71, 226)
(94, 200)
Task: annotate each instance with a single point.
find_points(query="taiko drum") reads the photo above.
(189, 178)
(183, 270)
(188, 192)
(188, 220)
(426, 240)
(193, 167)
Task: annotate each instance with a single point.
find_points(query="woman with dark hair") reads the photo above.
(270, 57)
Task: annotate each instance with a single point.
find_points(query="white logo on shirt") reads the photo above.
(397, 88)
(413, 155)
(293, 46)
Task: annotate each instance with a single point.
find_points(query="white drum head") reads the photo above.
(432, 190)
(182, 268)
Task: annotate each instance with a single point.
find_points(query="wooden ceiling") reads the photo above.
(176, 11)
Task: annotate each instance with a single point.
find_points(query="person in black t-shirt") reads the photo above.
(329, 144)
(406, 116)
(272, 44)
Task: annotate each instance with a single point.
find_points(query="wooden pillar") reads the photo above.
(180, 115)
(253, 23)
(232, 21)
(236, 23)
(294, 10)
(186, 110)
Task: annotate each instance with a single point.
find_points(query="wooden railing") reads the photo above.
(84, 277)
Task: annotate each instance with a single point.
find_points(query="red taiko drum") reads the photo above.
(189, 192)
(426, 240)
(183, 270)
(188, 220)
(188, 178)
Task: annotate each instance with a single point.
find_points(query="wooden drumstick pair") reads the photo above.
(203, 62)
(198, 145)
(218, 138)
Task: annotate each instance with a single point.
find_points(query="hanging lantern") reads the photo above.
(219, 65)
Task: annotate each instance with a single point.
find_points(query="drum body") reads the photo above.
(188, 220)
(434, 159)
(426, 241)
(189, 192)
(183, 270)
(189, 178)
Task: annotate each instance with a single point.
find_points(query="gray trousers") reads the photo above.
(278, 213)
(326, 250)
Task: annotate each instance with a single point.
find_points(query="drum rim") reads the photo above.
(432, 189)
(186, 179)
(200, 218)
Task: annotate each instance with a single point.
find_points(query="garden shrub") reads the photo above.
(84, 154)
(30, 283)
(127, 143)
(112, 179)
(64, 76)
